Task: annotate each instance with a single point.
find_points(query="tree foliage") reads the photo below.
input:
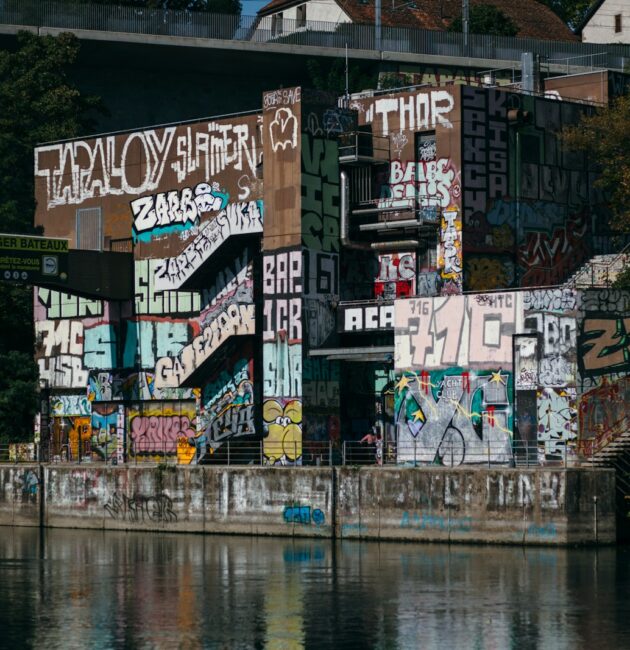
(331, 76)
(604, 136)
(571, 11)
(210, 6)
(486, 19)
(38, 104)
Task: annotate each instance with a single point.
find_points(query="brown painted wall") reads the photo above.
(282, 125)
(111, 171)
(600, 86)
(592, 87)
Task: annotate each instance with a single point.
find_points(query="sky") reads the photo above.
(251, 7)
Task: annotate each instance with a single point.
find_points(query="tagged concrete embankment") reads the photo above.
(505, 506)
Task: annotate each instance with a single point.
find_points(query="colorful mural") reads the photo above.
(155, 429)
(454, 416)
(242, 277)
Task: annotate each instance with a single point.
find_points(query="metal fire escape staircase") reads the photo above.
(368, 221)
(217, 242)
(600, 272)
(373, 222)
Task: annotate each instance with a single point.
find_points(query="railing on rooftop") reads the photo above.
(357, 146)
(590, 61)
(59, 14)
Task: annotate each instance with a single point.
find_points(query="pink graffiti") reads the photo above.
(157, 433)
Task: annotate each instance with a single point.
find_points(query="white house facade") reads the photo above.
(608, 22)
(289, 17)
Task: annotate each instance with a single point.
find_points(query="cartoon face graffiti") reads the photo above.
(283, 443)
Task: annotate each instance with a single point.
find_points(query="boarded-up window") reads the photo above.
(89, 229)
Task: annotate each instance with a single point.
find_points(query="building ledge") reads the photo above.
(384, 353)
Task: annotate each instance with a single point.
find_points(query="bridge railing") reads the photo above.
(111, 18)
(114, 18)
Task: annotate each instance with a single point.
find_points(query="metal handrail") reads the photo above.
(590, 56)
(358, 144)
(589, 268)
(365, 301)
(449, 453)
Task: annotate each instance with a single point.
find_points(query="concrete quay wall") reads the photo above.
(503, 506)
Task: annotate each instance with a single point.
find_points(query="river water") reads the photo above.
(93, 589)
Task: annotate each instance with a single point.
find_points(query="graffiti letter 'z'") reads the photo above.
(607, 343)
(145, 217)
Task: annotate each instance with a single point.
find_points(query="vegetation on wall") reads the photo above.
(38, 105)
(604, 136)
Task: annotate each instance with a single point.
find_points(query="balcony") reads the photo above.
(397, 214)
(385, 222)
(363, 148)
(394, 223)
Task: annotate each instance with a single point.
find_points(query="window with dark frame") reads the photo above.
(300, 16)
(276, 24)
(617, 23)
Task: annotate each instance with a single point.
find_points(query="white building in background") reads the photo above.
(282, 17)
(608, 21)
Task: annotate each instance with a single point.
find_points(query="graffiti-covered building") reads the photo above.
(404, 261)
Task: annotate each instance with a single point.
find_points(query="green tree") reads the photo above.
(211, 6)
(38, 104)
(331, 76)
(571, 11)
(604, 136)
(486, 19)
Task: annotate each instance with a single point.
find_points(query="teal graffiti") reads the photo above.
(147, 341)
(360, 529)
(423, 521)
(303, 515)
(548, 530)
(99, 348)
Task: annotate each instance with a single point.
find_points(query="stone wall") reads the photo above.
(505, 506)
(20, 495)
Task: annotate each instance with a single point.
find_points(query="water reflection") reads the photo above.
(79, 589)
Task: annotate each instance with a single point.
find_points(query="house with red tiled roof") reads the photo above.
(532, 19)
